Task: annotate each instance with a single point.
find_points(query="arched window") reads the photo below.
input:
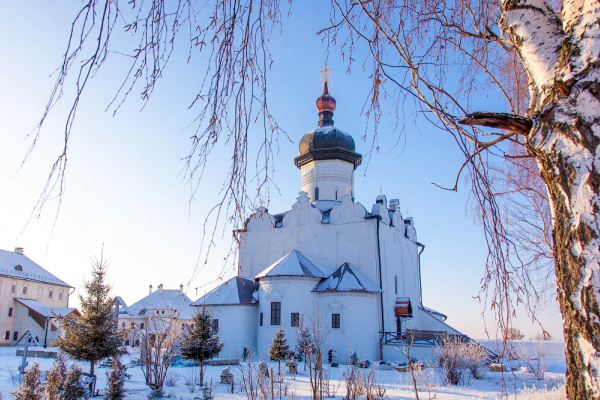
(316, 193)
(19, 268)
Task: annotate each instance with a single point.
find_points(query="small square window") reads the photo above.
(295, 319)
(24, 289)
(50, 294)
(15, 335)
(10, 312)
(260, 322)
(7, 335)
(335, 321)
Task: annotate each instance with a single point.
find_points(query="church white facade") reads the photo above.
(353, 270)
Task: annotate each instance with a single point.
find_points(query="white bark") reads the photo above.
(560, 56)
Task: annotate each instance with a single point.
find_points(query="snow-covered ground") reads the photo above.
(517, 384)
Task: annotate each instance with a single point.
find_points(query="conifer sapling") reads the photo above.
(31, 387)
(201, 341)
(92, 336)
(74, 388)
(55, 379)
(279, 348)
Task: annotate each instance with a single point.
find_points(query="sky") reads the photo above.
(126, 192)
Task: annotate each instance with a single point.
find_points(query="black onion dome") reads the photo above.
(326, 139)
(327, 142)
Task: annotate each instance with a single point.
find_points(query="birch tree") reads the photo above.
(433, 54)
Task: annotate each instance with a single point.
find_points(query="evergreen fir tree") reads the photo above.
(74, 388)
(31, 387)
(93, 335)
(304, 342)
(55, 379)
(201, 342)
(116, 379)
(279, 348)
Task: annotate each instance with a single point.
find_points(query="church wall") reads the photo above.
(237, 328)
(328, 244)
(400, 270)
(334, 178)
(296, 296)
(359, 325)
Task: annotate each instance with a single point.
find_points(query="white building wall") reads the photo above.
(237, 328)
(347, 240)
(33, 290)
(334, 178)
(296, 296)
(359, 325)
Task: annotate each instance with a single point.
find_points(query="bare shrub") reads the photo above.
(14, 376)
(373, 389)
(191, 379)
(158, 342)
(354, 383)
(249, 377)
(514, 334)
(533, 359)
(452, 358)
(329, 388)
(477, 356)
(171, 379)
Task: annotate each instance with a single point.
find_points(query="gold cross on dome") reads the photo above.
(325, 76)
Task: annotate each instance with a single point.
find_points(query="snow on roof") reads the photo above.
(235, 291)
(22, 267)
(293, 264)
(326, 205)
(347, 279)
(163, 299)
(48, 312)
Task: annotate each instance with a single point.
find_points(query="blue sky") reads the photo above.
(125, 185)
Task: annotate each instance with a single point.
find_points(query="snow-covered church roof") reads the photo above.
(235, 291)
(347, 279)
(294, 264)
(17, 265)
(163, 299)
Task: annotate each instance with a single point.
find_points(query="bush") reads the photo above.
(74, 388)
(55, 379)
(514, 334)
(116, 379)
(31, 386)
(452, 360)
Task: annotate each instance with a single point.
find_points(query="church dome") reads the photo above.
(326, 138)
(327, 142)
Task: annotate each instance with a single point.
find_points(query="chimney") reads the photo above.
(150, 291)
(394, 204)
(160, 288)
(19, 250)
(181, 289)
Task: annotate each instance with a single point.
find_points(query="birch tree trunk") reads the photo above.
(562, 58)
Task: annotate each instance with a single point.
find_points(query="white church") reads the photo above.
(356, 270)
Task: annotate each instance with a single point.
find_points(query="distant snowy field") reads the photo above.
(518, 384)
